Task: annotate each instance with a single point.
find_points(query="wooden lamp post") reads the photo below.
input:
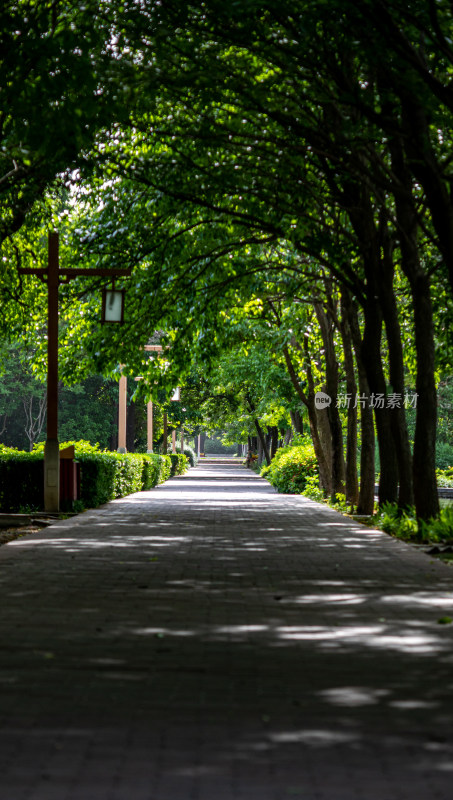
(53, 276)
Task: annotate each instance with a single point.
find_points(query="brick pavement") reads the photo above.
(213, 640)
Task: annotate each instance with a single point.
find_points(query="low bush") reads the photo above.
(404, 524)
(179, 464)
(191, 455)
(313, 490)
(400, 523)
(445, 477)
(440, 529)
(290, 468)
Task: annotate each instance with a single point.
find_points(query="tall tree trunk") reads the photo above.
(273, 431)
(367, 452)
(424, 462)
(371, 358)
(361, 213)
(297, 421)
(396, 370)
(262, 440)
(352, 483)
(259, 430)
(425, 482)
(130, 428)
(325, 476)
(260, 452)
(336, 431)
(422, 161)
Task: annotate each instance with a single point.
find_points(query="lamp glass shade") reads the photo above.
(113, 305)
(176, 394)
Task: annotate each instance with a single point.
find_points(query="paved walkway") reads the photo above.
(212, 640)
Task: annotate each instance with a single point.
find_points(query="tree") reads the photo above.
(62, 80)
(273, 131)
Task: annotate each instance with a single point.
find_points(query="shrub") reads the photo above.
(290, 468)
(313, 490)
(191, 455)
(404, 524)
(445, 477)
(156, 469)
(179, 464)
(444, 455)
(399, 522)
(440, 529)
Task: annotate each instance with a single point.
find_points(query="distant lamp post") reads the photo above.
(176, 396)
(113, 305)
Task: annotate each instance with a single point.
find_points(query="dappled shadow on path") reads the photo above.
(267, 633)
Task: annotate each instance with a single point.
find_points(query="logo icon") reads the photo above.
(322, 400)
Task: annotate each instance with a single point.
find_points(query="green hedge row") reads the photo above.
(21, 480)
(104, 475)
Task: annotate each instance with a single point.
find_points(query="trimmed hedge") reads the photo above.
(104, 475)
(21, 480)
(290, 468)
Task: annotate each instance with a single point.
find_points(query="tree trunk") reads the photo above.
(273, 431)
(325, 475)
(371, 358)
(260, 452)
(262, 439)
(367, 453)
(352, 484)
(362, 216)
(421, 159)
(424, 461)
(130, 428)
(336, 431)
(396, 369)
(297, 421)
(259, 430)
(425, 482)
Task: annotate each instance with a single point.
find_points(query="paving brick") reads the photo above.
(213, 640)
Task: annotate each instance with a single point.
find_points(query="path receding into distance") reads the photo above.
(213, 640)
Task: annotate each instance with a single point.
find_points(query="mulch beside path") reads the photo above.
(10, 534)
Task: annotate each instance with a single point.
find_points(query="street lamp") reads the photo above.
(113, 305)
(53, 276)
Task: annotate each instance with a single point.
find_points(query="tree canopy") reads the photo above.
(278, 177)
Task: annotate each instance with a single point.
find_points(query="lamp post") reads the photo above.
(53, 276)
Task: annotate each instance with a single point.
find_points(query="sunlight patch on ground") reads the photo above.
(319, 738)
(350, 696)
